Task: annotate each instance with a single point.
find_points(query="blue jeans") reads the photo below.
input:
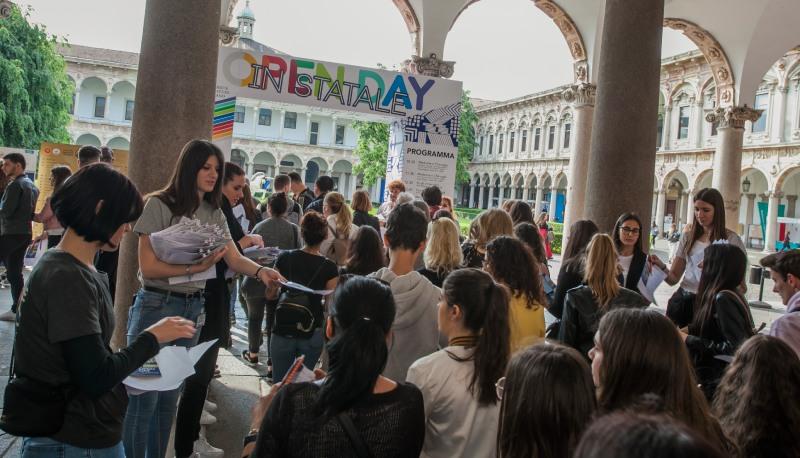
(284, 350)
(149, 417)
(45, 447)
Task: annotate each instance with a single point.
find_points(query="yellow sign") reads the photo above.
(55, 154)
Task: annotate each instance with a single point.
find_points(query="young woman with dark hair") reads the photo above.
(573, 259)
(458, 382)
(722, 319)
(628, 235)
(194, 191)
(67, 318)
(559, 418)
(366, 253)
(513, 266)
(756, 402)
(52, 227)
(708, 227)
(637, 352)
(530, 236)
(305, 419)
(521, 213)
(585, 305)
(250, 205)
(545, 230)
(361, 205)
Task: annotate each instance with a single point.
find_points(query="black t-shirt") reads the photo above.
(313, 271)
(392, 425)
(64, 300)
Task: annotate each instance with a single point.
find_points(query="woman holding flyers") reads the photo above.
(194, 191)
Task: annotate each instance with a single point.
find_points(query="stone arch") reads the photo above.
(321, 163)
(684, 89)
(264, 162)
(676, 174)
(342, 166)
(524, 122)
(715, 56)
(758, 180)
(476, 179)
(119, 143)
(784, 177)
(239, 157)
(290, 163)
(559, 178)
(701, 179)
(88, 139)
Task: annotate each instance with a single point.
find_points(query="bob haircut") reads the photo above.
(361, 201)
(96, 201)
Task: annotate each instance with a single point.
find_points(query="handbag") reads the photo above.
(337, 251)
(293, 315)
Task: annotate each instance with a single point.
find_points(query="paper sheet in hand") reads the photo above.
(208, 274)
(306, 289)
(175, 363)
(649, 281)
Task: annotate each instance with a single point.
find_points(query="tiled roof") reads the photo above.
(72, 52)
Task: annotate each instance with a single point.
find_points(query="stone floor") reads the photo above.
(240, 385)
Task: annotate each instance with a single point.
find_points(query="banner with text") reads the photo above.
(423, 111)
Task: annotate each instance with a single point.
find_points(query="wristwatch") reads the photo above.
(250, 437)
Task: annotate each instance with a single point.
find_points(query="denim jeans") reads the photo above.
(149, 417)
(284, 350)
(45, 447)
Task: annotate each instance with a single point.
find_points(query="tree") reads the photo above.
(372, 147)
(35, 93)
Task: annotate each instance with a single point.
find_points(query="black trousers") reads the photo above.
(106, 261)
(256, 306)
(195, 390)
(12, 251)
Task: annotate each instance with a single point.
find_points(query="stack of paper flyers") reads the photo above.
(187, 242)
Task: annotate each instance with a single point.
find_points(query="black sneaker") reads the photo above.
(249, 359)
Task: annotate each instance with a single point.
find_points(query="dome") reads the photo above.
(247, 13)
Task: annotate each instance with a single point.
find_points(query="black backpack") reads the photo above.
(293, 315)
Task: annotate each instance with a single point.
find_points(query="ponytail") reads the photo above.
(484, 305)
(342, 213)
(362, 313)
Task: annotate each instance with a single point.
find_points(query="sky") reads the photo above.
(491, 37)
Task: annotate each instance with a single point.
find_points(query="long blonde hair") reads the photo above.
(443, 252)
(343, 215)
(492, 223)
(602, 269)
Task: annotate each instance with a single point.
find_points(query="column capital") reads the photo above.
(227, 34)
(5, 8)
(429, 66)
(734, 117)
(731, 204)
(582, 94)
(791, 198)
(775, 194)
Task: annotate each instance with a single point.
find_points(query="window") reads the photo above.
(290, 120)
(762, 103)
(500, 145)
(340, 135)
(314, 135)
(536, 136)
(511, 142)
(683, 123)
(524, 141)
(264, 117)
(238, 114)
(551, 137)
(491, 143)
(567, 131)
(480, 145)
(100, 107)
(129, 110)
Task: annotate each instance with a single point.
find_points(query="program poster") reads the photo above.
(423, 111)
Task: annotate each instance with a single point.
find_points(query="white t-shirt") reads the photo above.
(691, 274)
(625, 264)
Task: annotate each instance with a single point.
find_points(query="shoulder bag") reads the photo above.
(360, 447)
(337, 252)
(293, 315)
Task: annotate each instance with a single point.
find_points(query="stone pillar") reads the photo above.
(772, 221)
(624, 130)
(333, 130)
(697, 121)
(778, 114)
(538, 202)
(690, 208)
(308, 129)
(665, 127)
(660, 209)
(791, 203)
(727, 174)
(255, 120)
(155, 144)
(583, 96)
(77, 104)
(481, 191)
(249, 166)
(280, 127)
(501, 196)
(683, 207)
(108, 105)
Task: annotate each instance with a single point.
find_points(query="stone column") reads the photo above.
(77, 104)
(280, 127)
(501, 196)
(791, 203)
(778, 114)
(690, 208)
(727, 174)
(748, 217)
(155, 144)
(255, 120)
(624, 131)
(249, 166)
(583, 96)
(682, 207)
(108, 105)
(333, 130)
(697, 121)
(481, 190)
(665, 127)
(772, 221)
(470, 189)
(308, 129)
(660, 208)
(539, 198)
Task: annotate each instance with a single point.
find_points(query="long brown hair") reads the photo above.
(545, 426)
(757, 400)
(644, 353)
(484, 305)
(580, 233)
(180, 194)
(343, 214)
(490, 224)
(723, 270)
(602, 269)
(718, 230)
(620, 221)
(509, 262)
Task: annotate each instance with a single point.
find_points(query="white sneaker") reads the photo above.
(210, 406)
(8, 316)
(207, 419)
(203, 449)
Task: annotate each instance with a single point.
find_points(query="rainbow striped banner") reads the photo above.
(222, 126)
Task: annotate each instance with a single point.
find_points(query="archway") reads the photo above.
(264, 162)
(290, 163)
(315, 167)
(342, 173)
(121, 104)
(755, 187)
(119, 143)
(92, 101)
(88, 139)
(239, 158)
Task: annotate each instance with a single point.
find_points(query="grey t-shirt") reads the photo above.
(157, 217)
(276, 232)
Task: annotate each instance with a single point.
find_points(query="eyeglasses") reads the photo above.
(501, 383)
(629, 230)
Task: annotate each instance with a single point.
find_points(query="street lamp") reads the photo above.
(746, 185)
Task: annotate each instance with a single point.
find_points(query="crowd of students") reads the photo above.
(423, 342)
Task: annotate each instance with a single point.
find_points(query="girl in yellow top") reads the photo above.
(511, 263)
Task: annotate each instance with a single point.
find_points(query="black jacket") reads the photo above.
(316, 205)
(569, 276)
(365, 219)
(305, 198)
(582, 315)
(730, 325)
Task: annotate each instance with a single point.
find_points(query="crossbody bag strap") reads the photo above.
(362, 451)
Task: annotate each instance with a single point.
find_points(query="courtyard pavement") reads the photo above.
(240, 385)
